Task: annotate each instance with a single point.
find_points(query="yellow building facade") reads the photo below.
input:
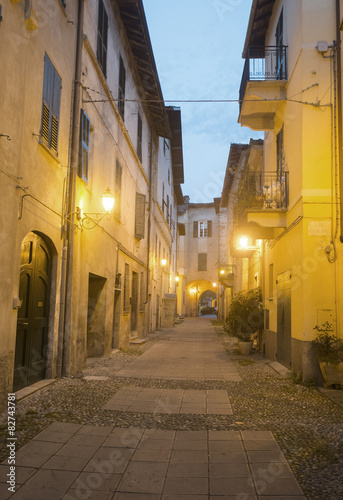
(289, 91)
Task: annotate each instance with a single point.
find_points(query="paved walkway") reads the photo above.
(195, 354)
(72, 461)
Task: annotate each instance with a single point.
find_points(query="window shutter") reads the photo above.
(121, 93)
(102, 37)
(48, 84)
(195, 229)
(52, 85)
(139, 137)
(55, 111)
(84, 145)
(209, 228)
(140, 216)
(202, 261)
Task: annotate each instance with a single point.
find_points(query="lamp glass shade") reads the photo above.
(243, 242)
(108, 200)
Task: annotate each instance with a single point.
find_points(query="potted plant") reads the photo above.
(245, 318)
(328, 351)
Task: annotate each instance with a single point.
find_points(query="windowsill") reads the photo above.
(48, 150)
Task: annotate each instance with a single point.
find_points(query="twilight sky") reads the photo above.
(198, 51)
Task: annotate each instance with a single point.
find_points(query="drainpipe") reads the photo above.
(339, 110)
(149, 226)
(70, 205)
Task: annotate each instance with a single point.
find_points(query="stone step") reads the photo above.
(137, 341)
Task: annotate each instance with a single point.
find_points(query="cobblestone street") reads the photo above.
(181, 417)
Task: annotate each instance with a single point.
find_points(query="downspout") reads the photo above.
(339, 110)
(149, 226)
(71, 189)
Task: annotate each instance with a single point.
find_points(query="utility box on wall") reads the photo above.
(169, 308)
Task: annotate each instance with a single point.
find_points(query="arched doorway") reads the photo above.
(208, 303)
(32, 322)
(195, 290)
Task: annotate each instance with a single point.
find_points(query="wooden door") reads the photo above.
(284, 332)
(32, 322)
(134, 304)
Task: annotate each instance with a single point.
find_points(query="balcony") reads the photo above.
(262, 202)
(263, 86)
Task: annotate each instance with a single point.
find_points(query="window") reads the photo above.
(126, 305)
(168, 175)
(165, 146)
(63, 3)
(117, 188)
(167, 209)
(52, 85)
(163, 197)
(202, 261)
(121, 92)
(84, 146)
(202, 229)
(102, 37)
(139, 137)
(280, 152)
(140, 216)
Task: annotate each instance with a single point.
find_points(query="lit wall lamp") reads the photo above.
(92, 219)
(163, 262)
(214, 285)
(177, 278)
(245, 243)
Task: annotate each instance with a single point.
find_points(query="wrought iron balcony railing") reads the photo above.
(264, 64)
(263, 190)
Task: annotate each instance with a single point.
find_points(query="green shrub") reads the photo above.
(326, 346)
(245, 315)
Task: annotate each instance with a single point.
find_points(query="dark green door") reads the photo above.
(284, 328)
(32, 323)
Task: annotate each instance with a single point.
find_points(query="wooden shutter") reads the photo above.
(52, 85)
(195, 229)
(121, 93)
(140, 216)
(84, 145)
(117, 188)
(209, 228)
(202, 261)
(139, 137)
(48, 85)
(102, 37)
(55, 111)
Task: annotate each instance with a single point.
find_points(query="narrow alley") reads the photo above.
(182, 417)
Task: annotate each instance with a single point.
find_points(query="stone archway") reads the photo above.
(194, 290)
(208, 303)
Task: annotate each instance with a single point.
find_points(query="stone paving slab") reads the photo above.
(138, 399)
(188, 355)
(153, 464)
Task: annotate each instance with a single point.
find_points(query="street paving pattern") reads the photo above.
(70, 461)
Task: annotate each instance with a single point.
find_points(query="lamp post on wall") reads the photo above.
(89, 220)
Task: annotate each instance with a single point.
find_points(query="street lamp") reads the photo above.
(108, 200)
(91, 219)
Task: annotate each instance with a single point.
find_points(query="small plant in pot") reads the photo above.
(245, 318)
(328, 351)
